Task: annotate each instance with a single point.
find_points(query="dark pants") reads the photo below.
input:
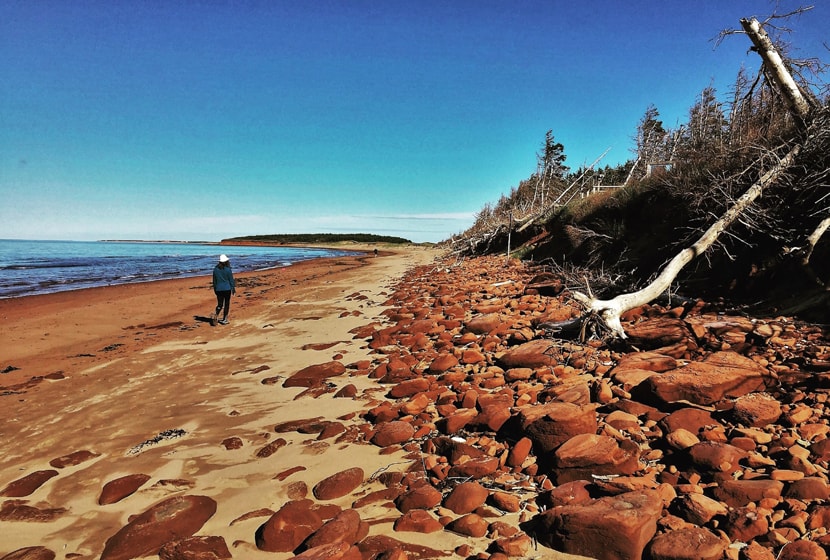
(223, 300)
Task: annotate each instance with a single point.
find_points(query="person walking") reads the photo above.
(223, 286)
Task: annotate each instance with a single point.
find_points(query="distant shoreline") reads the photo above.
(164, 242)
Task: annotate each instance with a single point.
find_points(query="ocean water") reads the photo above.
(40, 267)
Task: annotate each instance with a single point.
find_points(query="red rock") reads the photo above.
(820, 450)
(345, 527)
(471, 525)
(384, 412)
(808, 489)
(383, 495)
(314, 375)
(421, 497)
(756, 410)
(546, 284)
(72, 459)
(756, 552)
(303, 425)
(288, 472)
(552, 424)
(519, 452)
(409, 387)
(738, 493)
(819, 517)
(296, 490)
(145, 534)
(232, 443)
(585, 455)
(472, 356)
(720, 375)
(331, 430)
(346, 392)
(335, 551)
(483, 324)
(492, 417)
(338, 484)
(516, 545)
(418, 326)
(442, 363)
(613, 527)
(30, 553)
(475, 468)
(699, 509)
(505, 501)
(17, 510)
(802, 550)
(456, 421)
(374, 545)
(744, 524)
(417, 521)
(271, 448)
(569, 493)
(650, 361)
(391, 433)
(534, 354)
(689, 419)
(466, 497)
(715, 456)
(286, 529)
(689, 543)
(661, 331)
(28, 484)
(195, 548)
(118, 489)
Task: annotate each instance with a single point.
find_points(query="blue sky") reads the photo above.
(200, 120)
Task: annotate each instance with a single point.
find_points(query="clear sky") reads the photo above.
(200, 120)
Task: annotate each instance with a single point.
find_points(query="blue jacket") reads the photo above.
(223, 279)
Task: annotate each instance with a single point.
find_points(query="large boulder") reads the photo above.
(611, 528)
(174, 518)
(28, 484)
(119, 488)
(339, 484)
(286, 529)
(721, 375)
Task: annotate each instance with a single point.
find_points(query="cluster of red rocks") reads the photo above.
(704, 436)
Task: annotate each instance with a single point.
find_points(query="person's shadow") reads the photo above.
(202, 319)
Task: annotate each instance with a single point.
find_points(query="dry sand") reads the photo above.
(105, 369)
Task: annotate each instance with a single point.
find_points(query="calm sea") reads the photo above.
(40, 267)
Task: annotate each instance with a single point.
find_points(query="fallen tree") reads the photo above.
(607, 313)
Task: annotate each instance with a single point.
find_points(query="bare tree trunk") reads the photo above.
(611, 310)
(813, 240)
(777, 69)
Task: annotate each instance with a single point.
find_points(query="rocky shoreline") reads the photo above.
(476, 433)
(705, 437)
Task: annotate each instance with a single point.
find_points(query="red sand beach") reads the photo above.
(131, 384)
(405, 406)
